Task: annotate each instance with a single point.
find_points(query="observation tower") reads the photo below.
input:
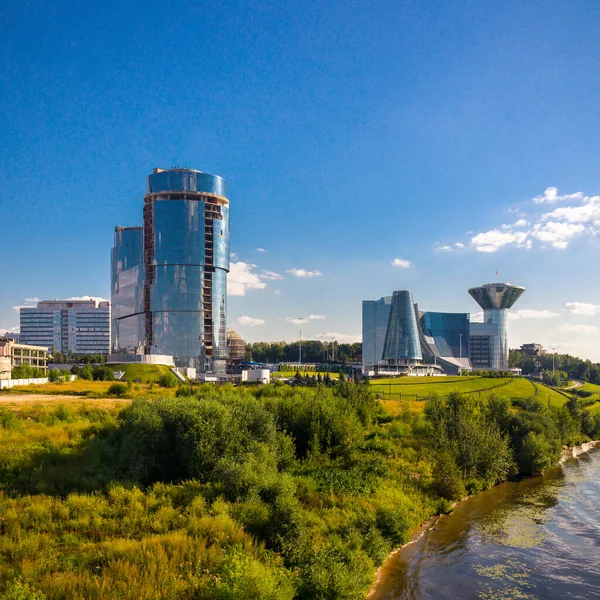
(496, 299)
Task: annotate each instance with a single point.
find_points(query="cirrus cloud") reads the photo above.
(250, 321)
(303, 273)
(582, 308)
(402, 263)
(527, 313)
(300, 320)
(571, 328)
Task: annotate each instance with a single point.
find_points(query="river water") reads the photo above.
(534, 539)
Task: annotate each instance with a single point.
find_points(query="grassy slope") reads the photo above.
(141, 372)
(410, 387)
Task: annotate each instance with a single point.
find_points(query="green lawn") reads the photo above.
(144, 373)
(416, 390)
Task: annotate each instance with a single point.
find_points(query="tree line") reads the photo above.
(313, 351)
(575, 368)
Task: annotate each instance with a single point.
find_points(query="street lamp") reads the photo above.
(300, 319)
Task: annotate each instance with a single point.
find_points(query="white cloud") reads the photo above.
(556, 228)
(5, 330)
(96, 298)
(459, 245)
(241, 279)
(260, 250)
(476, 317)
(271, 276)
(491, 241)
(526, 313)
(579, 328)
(32, 300)
(303, 273)
(556, 234)
(445, 249)
(250, 321)
(582, 308)
(344, 338)
(300, 320)
(551, 196)
(401, 262)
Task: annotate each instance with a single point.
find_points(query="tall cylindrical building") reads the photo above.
(495, 299)
(186, 257)
(402, 345)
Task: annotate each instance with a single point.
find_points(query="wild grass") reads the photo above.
(273, 493)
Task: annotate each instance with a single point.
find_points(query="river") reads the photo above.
(534, 539)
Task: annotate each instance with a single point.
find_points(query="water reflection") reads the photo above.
(535, 539)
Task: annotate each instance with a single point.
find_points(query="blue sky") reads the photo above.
(350, 134)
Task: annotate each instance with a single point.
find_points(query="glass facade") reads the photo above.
(169, 277)
(402, 342)
(127, 290)
(375, 317)
(186, 255)
(79, 327)
(447, 331)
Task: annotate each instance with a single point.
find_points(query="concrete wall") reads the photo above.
(10, 383)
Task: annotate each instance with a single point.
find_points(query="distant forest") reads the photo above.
(313, 351)
(575, 368)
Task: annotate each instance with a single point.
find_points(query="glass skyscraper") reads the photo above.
(173, 298)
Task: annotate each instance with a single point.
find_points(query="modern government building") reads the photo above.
(399, 338)
(68, 326)
(169, 277)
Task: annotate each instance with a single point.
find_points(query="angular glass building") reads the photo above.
(402, 345)
(445, 340)
(489, 340)
(181, 283)
(375, 317)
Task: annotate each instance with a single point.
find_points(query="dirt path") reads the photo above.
(19, 398)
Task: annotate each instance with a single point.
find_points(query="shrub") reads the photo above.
(167, 380)
(117, 389)
(18, 590)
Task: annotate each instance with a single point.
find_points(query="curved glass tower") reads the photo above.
(169, 277)
(402, 345)
(495, 299)
(186, 256)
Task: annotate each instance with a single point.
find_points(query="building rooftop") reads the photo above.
(496, 295)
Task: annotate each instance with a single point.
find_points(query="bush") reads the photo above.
(168, 380)
(117, 389)
(18, 590)
(53, 375)
(447, 481)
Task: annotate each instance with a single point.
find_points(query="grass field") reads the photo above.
(89, 389)
(143, 373)
(416, 390)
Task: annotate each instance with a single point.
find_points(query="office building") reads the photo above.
(172, 299)
(489, 340)
(13, 354)
(397, 338)
(375, 317)
(75, 326)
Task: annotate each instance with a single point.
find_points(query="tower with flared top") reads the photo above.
(496, 299)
